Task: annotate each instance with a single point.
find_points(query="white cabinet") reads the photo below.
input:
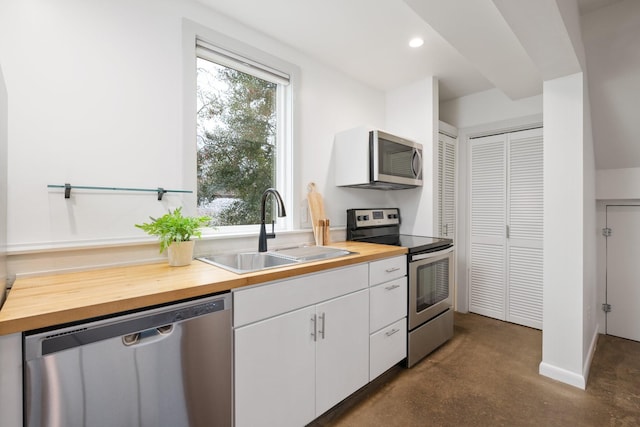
(291, 363)
(387, 269)
(11, 379)
(388, 346)
(275, 371)
(387, 314)
(388, 303)
(342, 349)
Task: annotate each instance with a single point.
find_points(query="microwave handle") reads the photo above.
(416, 154)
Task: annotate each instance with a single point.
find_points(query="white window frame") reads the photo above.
(229, 52)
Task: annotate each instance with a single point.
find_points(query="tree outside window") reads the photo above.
(236, 143)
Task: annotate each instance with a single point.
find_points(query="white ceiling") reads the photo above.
(469, 46)
(365, 39)
(369, 40)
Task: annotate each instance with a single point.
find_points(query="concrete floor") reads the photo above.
(487, 375)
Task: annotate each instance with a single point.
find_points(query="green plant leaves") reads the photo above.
(173, 227)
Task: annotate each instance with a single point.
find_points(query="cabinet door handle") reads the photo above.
(321, 331)
(392, 287)
(391, 332)
(313, 328)
(392, 269)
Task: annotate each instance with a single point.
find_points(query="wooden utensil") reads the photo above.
(316, 209)
(326, 238)
(319, 233)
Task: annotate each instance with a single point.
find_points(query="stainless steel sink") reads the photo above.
(247, 262)
(313, 253)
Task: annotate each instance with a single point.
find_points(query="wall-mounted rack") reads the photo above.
(160, 191)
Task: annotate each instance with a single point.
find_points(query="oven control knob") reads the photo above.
(366, 217)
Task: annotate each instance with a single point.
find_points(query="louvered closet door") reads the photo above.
(525, 209)
(487, 283)
(446, 186)
(506, 227)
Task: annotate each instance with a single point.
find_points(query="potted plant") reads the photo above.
(175, 232)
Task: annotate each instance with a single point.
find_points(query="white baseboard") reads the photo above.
(592, 350)
(562, 375)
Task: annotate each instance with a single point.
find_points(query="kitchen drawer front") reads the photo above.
(388, 303)
(388, 347)
(262, 302)
(387, 269)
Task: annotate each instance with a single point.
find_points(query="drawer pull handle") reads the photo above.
(392, 269)
(392, 287)
(391, 332)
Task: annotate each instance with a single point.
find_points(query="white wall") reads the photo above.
(96, 99)
(590, 232)
(3, 185)
(412, 111)
(487, 107)
(612, 184)
(611, 39)
(564, 231)
(570, 327)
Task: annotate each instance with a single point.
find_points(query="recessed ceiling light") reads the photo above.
(416, 42)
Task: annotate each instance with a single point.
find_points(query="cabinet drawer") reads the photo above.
(388, 303)
(388, 347)
(387, 269)
(261, 302)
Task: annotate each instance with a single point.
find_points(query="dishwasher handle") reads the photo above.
(151, 334)
(157, 319)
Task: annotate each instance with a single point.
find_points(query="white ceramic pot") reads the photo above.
(181, 253)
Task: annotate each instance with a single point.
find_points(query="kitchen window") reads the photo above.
(243, 136)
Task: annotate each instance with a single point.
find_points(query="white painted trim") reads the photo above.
(562, 375)
(447, 129)
(592, 350)
(287, 132)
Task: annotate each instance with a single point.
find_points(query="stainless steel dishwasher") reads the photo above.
(169, 366)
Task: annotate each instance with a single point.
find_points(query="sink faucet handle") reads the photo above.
(272, 235)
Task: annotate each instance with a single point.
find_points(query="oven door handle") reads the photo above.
(431, 254)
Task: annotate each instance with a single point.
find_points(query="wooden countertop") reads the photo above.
(39, 302)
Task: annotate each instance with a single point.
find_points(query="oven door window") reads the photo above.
(432, 284)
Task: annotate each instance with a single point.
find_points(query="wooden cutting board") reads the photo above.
(316, 208)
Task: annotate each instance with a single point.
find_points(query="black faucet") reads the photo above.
(262, 240)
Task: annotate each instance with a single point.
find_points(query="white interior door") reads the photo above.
(446, 186)
(525, 225)
(623, 272)
(506, 188)
(487, 282)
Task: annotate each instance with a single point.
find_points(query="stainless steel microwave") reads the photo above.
(367, 158)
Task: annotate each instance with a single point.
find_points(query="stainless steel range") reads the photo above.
(430, 275)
